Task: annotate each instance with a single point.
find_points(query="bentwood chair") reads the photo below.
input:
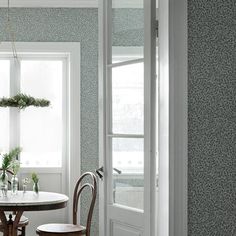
(74, 229)
(24, 221)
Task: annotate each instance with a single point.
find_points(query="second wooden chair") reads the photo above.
(74, 229)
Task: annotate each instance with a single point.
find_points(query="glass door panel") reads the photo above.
(4, 112)
(128, 171)
(128, 153)
(128, 99)
(127, 103)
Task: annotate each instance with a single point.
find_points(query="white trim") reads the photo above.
(125, 63)
(163, 126)
(149, 117)
(172, 201)
(71, 52)
(41, 47)
(102, 111)
(14, 114)
(74, 119)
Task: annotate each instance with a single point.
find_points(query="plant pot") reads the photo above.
(4, 183)
(14, 184)
(36, 188)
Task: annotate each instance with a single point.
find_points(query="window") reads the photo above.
(42, 132)
(38, 131)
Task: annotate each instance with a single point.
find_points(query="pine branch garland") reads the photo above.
(22, 101)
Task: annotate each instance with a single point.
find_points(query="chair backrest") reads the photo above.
(79, 187)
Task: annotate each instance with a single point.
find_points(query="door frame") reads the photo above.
(173, 119)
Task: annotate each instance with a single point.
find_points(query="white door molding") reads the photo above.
(172, 210)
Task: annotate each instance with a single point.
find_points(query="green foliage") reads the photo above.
(15, 166)
(8, 158)
(35, 178)
(25, 181)
(22, 101)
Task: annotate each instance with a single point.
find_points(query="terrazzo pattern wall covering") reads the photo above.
(212, 117)
(212, 99)
(127, 27)
(68, 25)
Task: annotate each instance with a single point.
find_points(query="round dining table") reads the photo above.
(27, 201)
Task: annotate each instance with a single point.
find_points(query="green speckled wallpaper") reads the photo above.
(128, 27)
(68, 25)
(212, 97)
(212, 117)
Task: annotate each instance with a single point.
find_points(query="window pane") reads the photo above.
(128, 99)
(128, 157)
(41, 128)
(4, 112)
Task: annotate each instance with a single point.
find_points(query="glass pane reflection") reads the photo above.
(128, 158)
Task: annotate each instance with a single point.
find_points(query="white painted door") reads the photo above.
(127, 118)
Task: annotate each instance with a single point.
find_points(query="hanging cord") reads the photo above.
(10, 31)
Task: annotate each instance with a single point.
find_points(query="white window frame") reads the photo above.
(70, 52)
(14, 115)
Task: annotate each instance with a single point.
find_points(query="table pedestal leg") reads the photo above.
(4, 222)
(10, 226)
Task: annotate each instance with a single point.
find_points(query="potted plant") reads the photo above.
(25, 182)
(35, 180)
(6, 164)
(15, 166)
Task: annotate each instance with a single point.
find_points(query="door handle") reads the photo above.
(117, 171)
(100, 175)
(98, 171)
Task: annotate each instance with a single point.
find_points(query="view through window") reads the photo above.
(39, 131)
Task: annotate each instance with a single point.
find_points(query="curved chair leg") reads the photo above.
(23, 231)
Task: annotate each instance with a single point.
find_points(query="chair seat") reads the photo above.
(23, 220)
(61, 229)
